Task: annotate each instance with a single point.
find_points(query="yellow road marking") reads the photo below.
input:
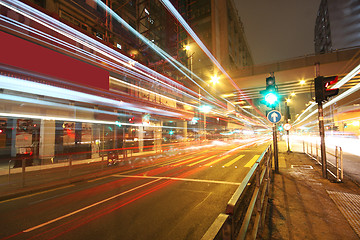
(252, 161)
(38, 193)
(217, 160)
(182, 162)
(192, 164)
(233, 161)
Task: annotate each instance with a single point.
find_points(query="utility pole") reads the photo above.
(322, 93)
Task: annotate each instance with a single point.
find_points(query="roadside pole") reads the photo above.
(322, 139)
(322, 94)
(276, 159)
(274, 117)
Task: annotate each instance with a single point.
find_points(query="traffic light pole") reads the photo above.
(276, 159)
(322, 139)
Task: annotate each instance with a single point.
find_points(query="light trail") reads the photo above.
(70, 33)
(92, 44)
(181, 20)
(345, 79)
(158, 50)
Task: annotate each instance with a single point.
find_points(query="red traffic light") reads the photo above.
(322, 93)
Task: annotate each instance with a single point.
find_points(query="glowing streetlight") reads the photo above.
(187, 47)
(302, 82)
(214, 79)
(292, 94)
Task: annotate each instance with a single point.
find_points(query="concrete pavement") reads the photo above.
(303, 205)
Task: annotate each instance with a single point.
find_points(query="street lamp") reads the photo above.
(205, 109)
(215, 79)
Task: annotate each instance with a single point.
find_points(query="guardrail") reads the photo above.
(338, 166)
(247, 205)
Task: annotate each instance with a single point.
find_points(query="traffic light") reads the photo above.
(271, 96)
(321, 85)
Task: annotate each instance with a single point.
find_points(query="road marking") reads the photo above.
(38, 193)
(90, 206)
(178, 179)
(192, 164)
(217, 160)
(252, 161)
(97, 179)
(190, 160)
(233, 161)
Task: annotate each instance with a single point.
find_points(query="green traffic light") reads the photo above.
(271, 98)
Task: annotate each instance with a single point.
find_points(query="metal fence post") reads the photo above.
(303, 146)
(317, 152)
(9, 171)
(337, 163)
(23, 163)
(70, 164)
(341, 164)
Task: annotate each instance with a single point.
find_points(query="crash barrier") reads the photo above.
(315, 153)
(246, 210)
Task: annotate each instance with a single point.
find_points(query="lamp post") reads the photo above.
(205, 109)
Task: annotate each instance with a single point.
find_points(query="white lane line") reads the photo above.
(178, 179)
(90, 206)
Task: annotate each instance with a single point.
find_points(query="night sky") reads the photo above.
(278, 29)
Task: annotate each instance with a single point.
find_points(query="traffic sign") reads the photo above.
(274, 116)
(287, 126)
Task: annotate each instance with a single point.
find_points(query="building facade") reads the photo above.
(337, 25)
(219, 27)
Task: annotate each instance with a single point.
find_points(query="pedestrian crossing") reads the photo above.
(228, 160)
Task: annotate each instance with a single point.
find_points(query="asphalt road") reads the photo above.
(169, 197)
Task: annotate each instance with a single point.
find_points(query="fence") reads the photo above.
(25, 170)
(314, 154)
(245, 211)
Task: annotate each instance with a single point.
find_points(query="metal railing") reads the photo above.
(246, 210)
(314, 154)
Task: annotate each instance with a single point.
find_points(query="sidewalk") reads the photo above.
(303, 205)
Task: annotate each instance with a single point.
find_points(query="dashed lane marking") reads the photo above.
(217, 160)
(252, 161)
(203, 160)
(233, 161)
(178, 179)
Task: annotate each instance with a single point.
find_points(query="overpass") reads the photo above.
(288, 75)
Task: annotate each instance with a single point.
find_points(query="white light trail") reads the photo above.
(70, 33)
(177, 15)
(158, 50)
(19, 85)
(347, 78)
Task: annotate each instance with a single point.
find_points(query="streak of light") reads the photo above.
(348, 77)
(70, 33)
(67, 119)
(87, 207)
(59, 105)
(177, 15)
(161, 52)
(49, 37)
(19, 85)
(155, 93)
